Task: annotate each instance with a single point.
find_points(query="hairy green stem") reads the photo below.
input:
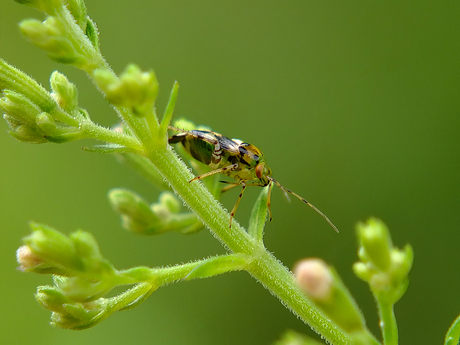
(388, 323)
(265, 268)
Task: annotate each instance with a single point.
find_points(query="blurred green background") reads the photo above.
(356, 106)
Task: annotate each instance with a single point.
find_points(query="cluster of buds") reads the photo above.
(82, 277)
(139, 217)
(384, 267)
(36, 116)
(52, 35)
(133, 89)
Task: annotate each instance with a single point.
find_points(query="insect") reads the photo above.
(234, 158)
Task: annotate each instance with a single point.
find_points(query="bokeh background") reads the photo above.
(356, 106)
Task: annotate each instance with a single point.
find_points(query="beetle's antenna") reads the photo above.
(285, 190)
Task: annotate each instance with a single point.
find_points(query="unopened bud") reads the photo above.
(27, 259)
(64, 92)
(133, 89)
(314, 278)
(376, 241)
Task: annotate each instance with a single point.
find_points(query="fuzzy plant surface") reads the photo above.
(83, 278)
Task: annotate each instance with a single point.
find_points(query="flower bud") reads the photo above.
(13, 79)
(135, 211)
(49, 36)
(77, 289)
(384, 267)
(80, 316)
(376, 241)
(24, 133)
(134, 89)
(314, 277)
(171, 202)
(53, 247)
(51, 298)
(19, 107)
(26, 259)
(322, 284)
(64, 92)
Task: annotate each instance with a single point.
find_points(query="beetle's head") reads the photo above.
(263, 173)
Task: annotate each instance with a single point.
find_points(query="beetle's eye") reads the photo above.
(259, 170)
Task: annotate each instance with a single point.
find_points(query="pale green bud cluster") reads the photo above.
(49, 35)
(134, 88)
(35, 119)
(53, 34)
(384, 267)
(49, 251)
(142, 218)
(82, 277)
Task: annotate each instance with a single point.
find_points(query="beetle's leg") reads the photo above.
(217, 171)
(230, 186)
(237, 202)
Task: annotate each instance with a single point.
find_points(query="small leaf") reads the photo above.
(259, 215)
(169, 110)
(453, 334)
(218, 265)
(109, 148)
(92, 33)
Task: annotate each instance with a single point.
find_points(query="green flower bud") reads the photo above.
(80, 316)
(24, 133)
(53, 247)
(46, 123)
(19, 107)
(134, 89)
(86, 246)
(170, 201)
(135, 211)
(363, 271)
(402, 261)
(51, 298)
(81, 290)
(64, 92)
(15, 80)
(49, 36)
(376, 241)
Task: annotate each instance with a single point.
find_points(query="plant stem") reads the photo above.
(388, 323)
(265, 268)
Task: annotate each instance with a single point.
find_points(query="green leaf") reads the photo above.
(259, 215)
(218, 265)
(169, 110)
(109, 148)
(92, 33)
(453, 334)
